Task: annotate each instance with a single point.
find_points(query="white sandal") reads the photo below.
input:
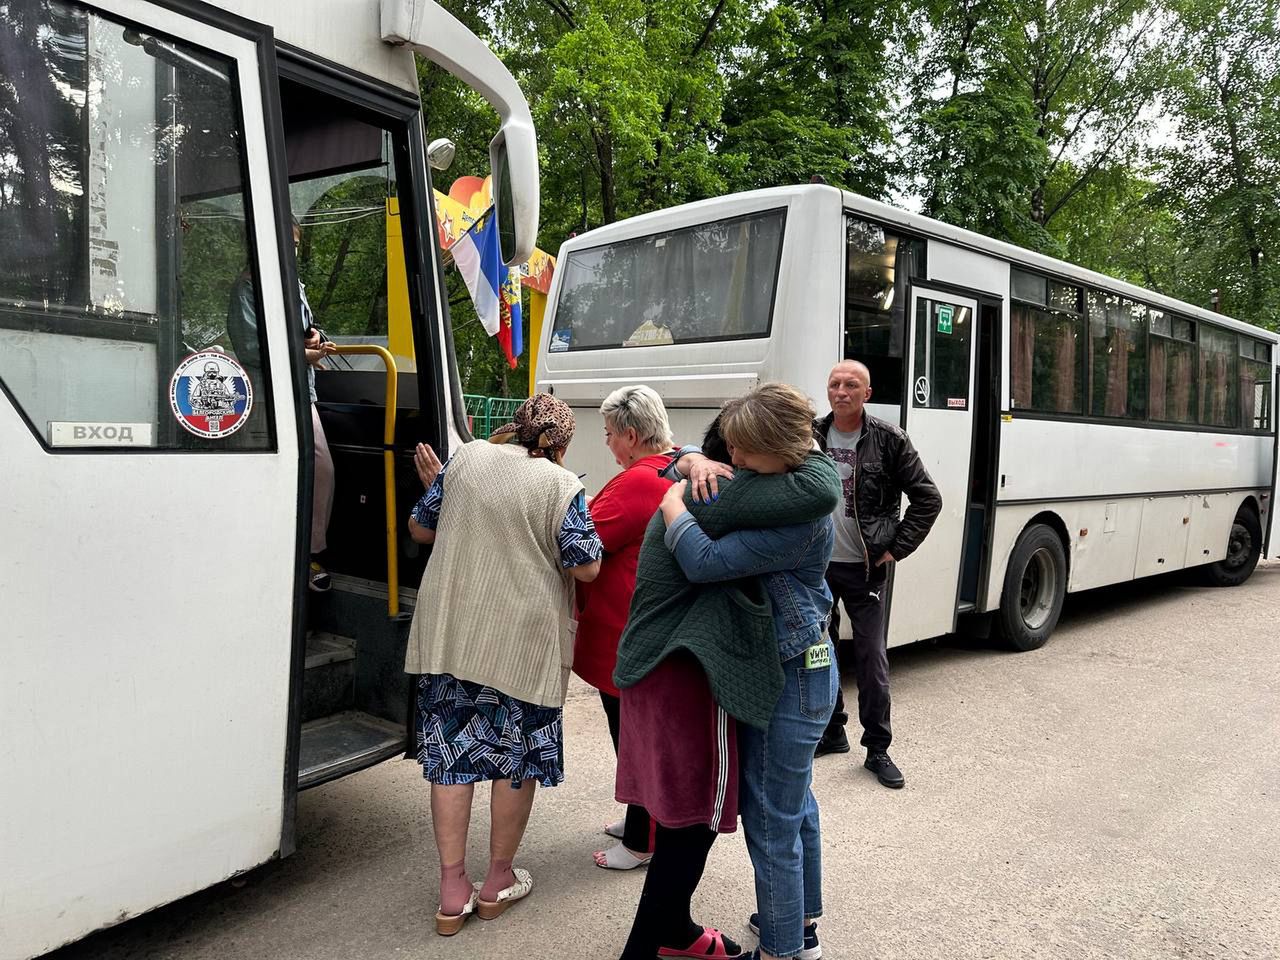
(449, 924)
(488, 910)
(618, 857)
(616, 829)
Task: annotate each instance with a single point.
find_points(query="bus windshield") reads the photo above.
(713, 281)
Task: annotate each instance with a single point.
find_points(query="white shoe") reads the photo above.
(447, 925)
(488, 910)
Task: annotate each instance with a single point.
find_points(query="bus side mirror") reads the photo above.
(425, 26)
(515, 191)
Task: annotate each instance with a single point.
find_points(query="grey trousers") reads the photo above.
(322, 494)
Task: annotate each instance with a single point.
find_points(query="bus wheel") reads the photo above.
(1244, 546)
(1034, 587)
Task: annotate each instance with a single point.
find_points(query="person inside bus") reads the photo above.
(242, 327)
(702, 658)
(638, 434)
(769, 431)
(877, 465)
(492, 639)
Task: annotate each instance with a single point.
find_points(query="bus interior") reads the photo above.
(350, 176)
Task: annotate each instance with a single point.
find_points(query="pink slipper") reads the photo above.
(712, 943)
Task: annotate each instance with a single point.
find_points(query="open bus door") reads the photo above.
(938, 415)
(150, 552)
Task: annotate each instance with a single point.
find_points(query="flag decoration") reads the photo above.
(494, 287)
(479, 260)
(511, 333)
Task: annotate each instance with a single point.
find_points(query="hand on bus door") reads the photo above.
(704, 474)
(426, 463)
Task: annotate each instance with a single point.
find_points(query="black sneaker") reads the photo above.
(812, 949)
(886, 770)
(832, 743)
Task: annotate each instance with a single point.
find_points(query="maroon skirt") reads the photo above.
(677, 750)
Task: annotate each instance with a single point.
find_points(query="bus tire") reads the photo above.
(1244, 547)
(1035, 584)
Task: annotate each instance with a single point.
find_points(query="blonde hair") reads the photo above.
(639, 408)
(774, 418)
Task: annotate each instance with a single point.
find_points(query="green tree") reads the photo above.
(810, 94)
(1224, 171)
(1019, 108)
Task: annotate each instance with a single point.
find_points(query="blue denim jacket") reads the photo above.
(792, 561)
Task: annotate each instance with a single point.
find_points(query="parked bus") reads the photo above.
(1082, 431)
(169, 683)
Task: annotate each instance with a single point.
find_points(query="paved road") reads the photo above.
(1112, 795)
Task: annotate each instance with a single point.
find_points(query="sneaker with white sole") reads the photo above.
(812, 949)
(318, 578)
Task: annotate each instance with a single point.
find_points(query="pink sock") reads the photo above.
(500, 877)
(455, 888)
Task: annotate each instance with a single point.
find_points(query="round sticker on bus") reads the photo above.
(211, 395)
(922, 390)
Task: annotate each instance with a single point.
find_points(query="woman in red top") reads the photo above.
(639, 437)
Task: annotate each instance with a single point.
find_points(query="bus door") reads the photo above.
(358, 193)
(938, 416)
(149, 546)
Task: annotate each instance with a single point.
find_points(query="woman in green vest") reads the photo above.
(700, 665)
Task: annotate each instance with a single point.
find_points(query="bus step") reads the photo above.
(344, 743)
(328, 684)
(323, 648)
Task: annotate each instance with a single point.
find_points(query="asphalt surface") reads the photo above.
(1114, 794)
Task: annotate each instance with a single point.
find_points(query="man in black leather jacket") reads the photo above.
(877, 465)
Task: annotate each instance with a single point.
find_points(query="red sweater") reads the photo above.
(620, 511)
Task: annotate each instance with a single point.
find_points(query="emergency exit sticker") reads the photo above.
(945, 313)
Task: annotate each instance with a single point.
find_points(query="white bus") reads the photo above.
(1083, 431)
(169, 683)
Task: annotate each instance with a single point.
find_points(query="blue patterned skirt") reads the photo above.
(469, 733)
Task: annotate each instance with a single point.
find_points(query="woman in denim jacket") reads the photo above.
(766, 431)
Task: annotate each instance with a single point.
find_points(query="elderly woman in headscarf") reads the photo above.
(492, 639)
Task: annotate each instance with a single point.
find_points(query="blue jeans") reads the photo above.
(779, 811)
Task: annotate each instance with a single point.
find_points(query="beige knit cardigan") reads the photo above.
(495, 607)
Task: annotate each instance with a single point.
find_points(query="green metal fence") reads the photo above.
(484, 414)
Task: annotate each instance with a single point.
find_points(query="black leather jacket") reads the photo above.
(888, 466)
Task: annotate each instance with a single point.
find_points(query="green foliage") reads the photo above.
(1223, 174)
(1136, 137)
(811, 94)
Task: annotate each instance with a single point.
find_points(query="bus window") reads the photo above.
(344, 191)
(1117, 356)
(1255, 384)
(1218, 350)
(943, 331)
(1045, 352)
(124, 197)
(713, 281)
(878, 266)
(1173, 359)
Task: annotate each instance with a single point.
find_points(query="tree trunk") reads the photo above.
(608, 190)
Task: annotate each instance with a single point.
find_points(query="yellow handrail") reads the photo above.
(388, 465)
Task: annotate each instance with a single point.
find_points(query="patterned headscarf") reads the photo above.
(541, 423)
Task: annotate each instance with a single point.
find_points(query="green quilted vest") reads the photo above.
(727, 626)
